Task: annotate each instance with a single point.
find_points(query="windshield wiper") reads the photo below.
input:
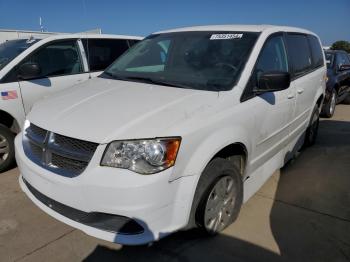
(148, 80)
(156, 81)
(110, 75)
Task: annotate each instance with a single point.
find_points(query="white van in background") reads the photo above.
(33, 68)
(176, 133)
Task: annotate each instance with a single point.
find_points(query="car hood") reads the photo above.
(102, 110)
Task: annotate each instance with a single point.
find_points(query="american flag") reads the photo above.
(7, 95)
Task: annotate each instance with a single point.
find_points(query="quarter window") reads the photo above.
(60, 58)
(299, 53)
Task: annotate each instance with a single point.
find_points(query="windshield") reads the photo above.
(329, 59)
(198, 60)
(12, 48)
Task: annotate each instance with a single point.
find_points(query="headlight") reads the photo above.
(25, 127)
(26, 124)
(146, 156)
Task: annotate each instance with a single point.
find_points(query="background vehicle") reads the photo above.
(33, 68)
(338, 83)
(176, 133)
(347, 99)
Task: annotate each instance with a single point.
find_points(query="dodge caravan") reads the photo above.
(177, 133)
(32, 68)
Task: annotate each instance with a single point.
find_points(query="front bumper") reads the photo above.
(152, 202)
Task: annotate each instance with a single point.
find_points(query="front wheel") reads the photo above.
(7, 149)
(220, 195)
(329, 107)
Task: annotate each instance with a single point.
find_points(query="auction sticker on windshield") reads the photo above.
(225, 36)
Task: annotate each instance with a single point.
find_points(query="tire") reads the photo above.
(7, 148)
(215, 208)
(312, 130)
(346, 101)
(329, 108)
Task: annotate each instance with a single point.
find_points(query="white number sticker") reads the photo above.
(225, 36)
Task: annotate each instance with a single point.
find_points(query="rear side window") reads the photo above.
(316, 51)
(102, 52)
(299, 53)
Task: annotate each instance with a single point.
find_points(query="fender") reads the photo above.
(320, 91)
(208, 148)
(200, 157)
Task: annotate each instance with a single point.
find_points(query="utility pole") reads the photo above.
(41, 24)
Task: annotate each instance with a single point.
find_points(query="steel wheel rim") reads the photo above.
(220, 205)
(333, 100)
(4, 149)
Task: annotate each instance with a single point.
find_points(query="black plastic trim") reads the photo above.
(108, 222)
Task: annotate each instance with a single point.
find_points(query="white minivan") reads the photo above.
(33, 68)
(178, 132)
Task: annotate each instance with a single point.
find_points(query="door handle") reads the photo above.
(300, 91)
(290, 96)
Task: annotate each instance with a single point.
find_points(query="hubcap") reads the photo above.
(333, 102)
(4, 149)
(220, 205)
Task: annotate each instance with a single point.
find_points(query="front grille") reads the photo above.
(36, 133)
(37, 151)
(74, 144)
(71, 165)
(60, 154)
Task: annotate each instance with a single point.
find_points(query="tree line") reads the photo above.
(341, 45)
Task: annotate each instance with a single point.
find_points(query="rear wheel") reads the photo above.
(220, 195)
(312, 130)
(7, 150)
(329, 108)
(347, 100)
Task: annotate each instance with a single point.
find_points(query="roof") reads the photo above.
(238, 28)
(82, 35)
(98, 36)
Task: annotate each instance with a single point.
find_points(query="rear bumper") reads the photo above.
(102, 201)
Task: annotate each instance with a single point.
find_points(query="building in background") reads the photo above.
(7, 34)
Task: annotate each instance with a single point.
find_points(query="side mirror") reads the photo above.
(344, 67)
(29, 71)
(272, 81)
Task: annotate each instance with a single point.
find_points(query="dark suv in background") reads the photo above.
(338, 83)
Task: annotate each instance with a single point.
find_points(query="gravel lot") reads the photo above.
(301, 214)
